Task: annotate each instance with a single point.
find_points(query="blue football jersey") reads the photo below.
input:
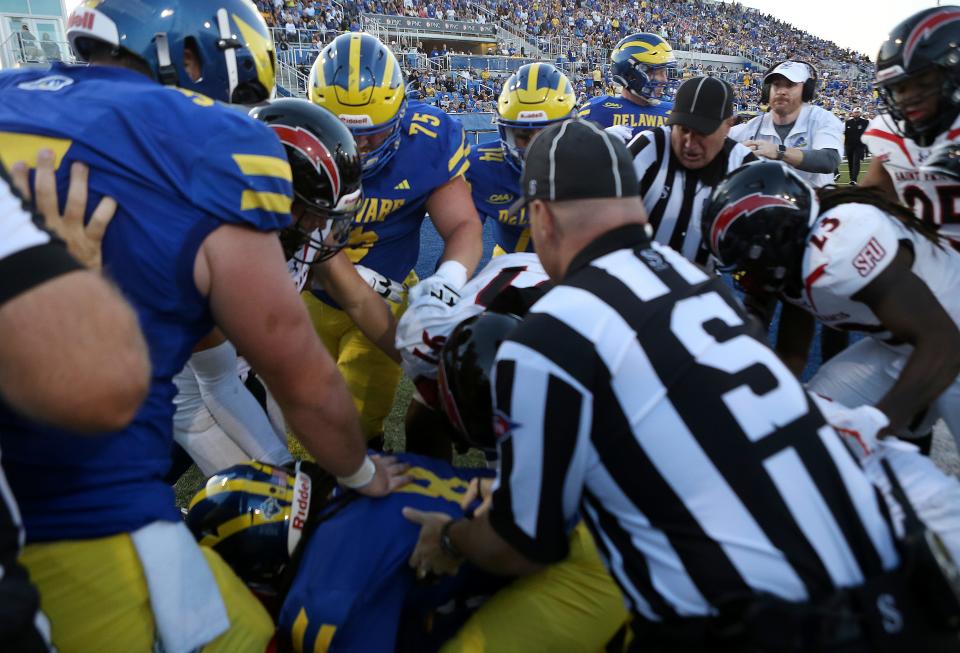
(608, 111)
(179, 165)
(386, 231)
(495, 185)
(353, 581)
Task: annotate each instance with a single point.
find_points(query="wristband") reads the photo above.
(454, 273)
(361, 477)
(447, 544)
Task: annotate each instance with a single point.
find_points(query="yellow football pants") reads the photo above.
(372, 376)
(573, 606)
(95, 595)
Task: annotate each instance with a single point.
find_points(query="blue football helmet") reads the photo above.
(253, 515)
(638, 55)
(229, 38)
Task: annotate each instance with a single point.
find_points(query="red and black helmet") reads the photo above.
(326, 175)
(757, 222)
(927, 40)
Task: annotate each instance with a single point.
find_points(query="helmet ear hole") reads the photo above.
(192, 61)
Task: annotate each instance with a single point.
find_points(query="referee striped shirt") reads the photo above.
(675, 196)
(635, 395)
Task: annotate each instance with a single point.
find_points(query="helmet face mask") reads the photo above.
(326, 230)
(536, 96)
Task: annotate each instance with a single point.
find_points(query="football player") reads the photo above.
(855, 261)
(536, 96)
(641, 65)
(219, 421)
(200, 190)
(414, 158)
(918, 78)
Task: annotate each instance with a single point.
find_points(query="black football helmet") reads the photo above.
(928, 40)
(326, 176)
(944, 160)
(463, 375)
(757, 222)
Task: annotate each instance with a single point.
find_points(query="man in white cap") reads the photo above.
(806, 137)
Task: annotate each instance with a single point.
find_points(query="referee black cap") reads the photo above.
(702, 104)
(576, 160)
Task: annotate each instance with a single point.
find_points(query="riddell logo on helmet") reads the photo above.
(351, 120)
(301, 502)
(532, 115)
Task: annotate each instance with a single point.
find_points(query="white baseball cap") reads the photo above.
(795, 71)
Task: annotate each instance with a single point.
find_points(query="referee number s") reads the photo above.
(757, 415)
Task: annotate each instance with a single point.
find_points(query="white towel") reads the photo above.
(187, 606)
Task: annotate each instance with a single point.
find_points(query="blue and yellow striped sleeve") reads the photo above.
(244, 178)
(458, 151)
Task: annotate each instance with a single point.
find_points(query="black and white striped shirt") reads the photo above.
(675, 197)
(635, 396)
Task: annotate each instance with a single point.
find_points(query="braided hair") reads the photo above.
(832, 196)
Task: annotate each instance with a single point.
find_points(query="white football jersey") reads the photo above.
(427, 322)
(849, 247)
(933, 198)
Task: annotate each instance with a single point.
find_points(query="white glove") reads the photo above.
(859, 427)
(444, 284)
(622, 132)
(387, 288)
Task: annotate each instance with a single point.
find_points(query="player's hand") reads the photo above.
(428, 556)
(84, 242)
(482, 489)
(766, 149)
(437, 287)
(384, 286)
(390, 474)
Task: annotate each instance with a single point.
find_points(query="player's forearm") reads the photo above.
(376, 321)
(73, 354)
(930, 370)
(482, 546)
(464, 244)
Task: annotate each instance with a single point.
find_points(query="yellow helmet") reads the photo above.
(358, 78)
(536, 96)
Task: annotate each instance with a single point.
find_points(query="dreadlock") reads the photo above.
(832, 196)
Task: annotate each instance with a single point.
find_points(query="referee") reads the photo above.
(635, 395)
(679, 164)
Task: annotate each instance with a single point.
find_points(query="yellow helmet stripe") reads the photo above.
(237, 524)
(387, 72)
(242, 485)
(261, 47)
(353, 81)
(532, 74)
(636, 44)
(562, 82)
(274, 202)
(263, 166)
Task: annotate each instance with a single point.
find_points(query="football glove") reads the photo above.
(444, 284)
(387, 288)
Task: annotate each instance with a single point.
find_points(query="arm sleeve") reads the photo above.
(821, 161)
(538, 488)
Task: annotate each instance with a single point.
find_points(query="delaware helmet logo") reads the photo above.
(923, 31)
(739, 209)
(310, 146)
